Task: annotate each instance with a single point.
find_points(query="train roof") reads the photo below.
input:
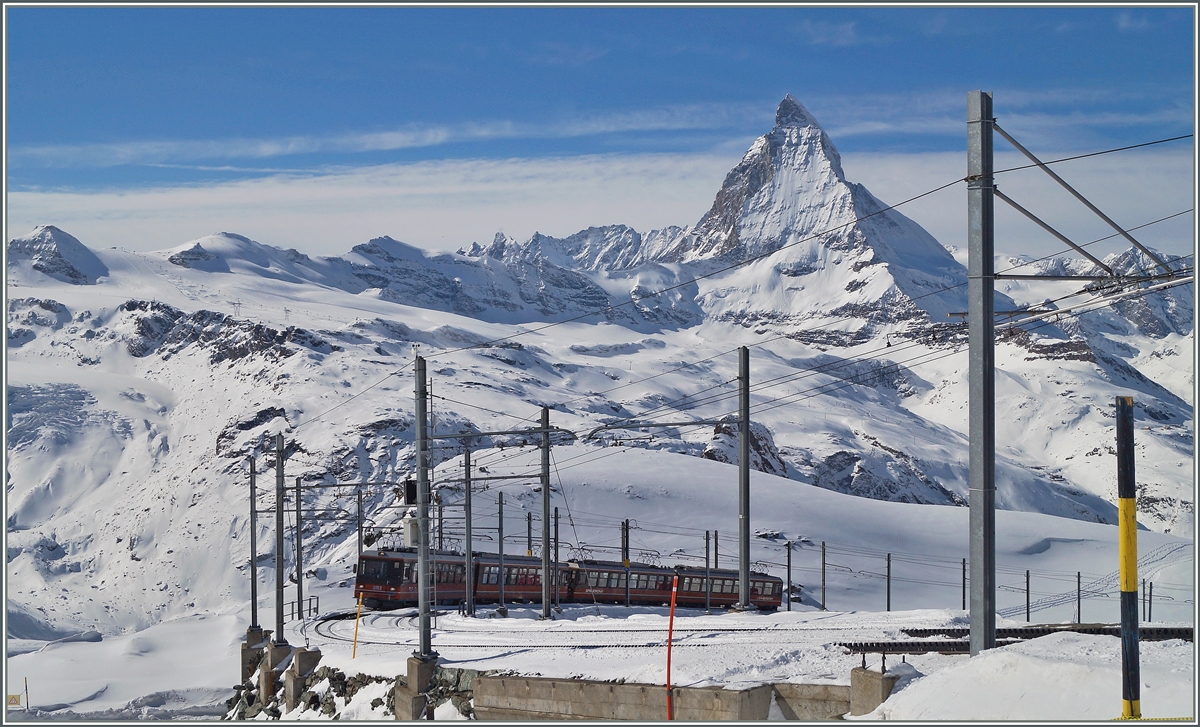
(527, 560)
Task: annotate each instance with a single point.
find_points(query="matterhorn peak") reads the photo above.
(792, 113)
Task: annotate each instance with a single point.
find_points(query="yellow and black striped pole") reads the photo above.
(1131, 706)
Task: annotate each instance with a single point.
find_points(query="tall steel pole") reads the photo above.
(789, 575)
(707, 578)
(470, 564)
(500, 556)
(253, 546)
(545, 513)
(424, 576)
(744, 478)
(299, 557)
(279, 638)
(557, 574)
(981, 428)
(360, 524)
(1131, 682)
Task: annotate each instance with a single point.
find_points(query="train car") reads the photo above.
(386, 578)
(766, 591)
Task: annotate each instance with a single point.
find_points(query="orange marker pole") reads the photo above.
(670, 633)
(357, 617)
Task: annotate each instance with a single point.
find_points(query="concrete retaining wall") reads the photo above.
(520, 698)
(812, 702)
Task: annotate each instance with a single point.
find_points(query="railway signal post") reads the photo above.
(1131, 706)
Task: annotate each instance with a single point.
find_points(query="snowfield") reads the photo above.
(141, 386)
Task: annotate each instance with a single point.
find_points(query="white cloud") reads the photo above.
(1126, 21)
(836, 35)
(438, 205)
(444, 205)
(667, 118)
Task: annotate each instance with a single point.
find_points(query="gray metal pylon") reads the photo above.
(744, 477)
(279, 450)
(299, 556)
(424, 576)
(470, 555)
(981, 428)
(253, 546)
(546, 605)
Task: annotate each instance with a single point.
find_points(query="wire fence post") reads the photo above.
(1078, 597)
(789, 575)
(889, 581)
(964, 588)
(822, 575)
(707, 577)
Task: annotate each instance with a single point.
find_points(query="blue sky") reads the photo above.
(142, 105)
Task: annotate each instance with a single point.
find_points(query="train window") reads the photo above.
(489, 575)
(374, 569)
(687, 584)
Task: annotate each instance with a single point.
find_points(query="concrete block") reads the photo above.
(420, 674)
(869, 689)
(270, 670)
(266, 683)
(305, 661)
(252, 651)
(409, 706)
(812, 702)
(295, 679)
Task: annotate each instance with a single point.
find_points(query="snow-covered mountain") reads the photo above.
(140, 383)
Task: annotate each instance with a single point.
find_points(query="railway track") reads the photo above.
(401, 629)
(403, 632)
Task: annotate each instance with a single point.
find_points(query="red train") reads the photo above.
(386, 578)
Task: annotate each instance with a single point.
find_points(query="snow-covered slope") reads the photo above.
(139, 385)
